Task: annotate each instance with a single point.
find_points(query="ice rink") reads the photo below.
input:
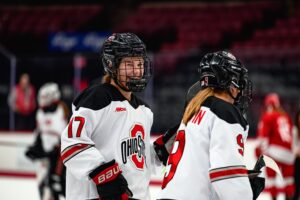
(18, 178)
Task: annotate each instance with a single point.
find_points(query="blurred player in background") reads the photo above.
(275, 137)
(297, 160)
(106, 146)
(207, 161)
(51, 118)
(22, 101)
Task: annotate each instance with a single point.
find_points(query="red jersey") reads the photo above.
(275, 128)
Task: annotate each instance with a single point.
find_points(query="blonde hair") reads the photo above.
(279, 110)
(66, 110)
(195, 104)
(106, 78)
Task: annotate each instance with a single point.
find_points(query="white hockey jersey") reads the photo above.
(51, 124)
(206, 161)
(107, 126)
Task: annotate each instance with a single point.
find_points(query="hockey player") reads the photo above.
(106, 146)
(206, 161)
(51, 118)
(275, 137)
(297, 160)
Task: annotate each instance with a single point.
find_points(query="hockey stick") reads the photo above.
(264, 161)
(258, 183)
(193, 90)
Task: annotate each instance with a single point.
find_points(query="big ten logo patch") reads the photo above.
(133, 148)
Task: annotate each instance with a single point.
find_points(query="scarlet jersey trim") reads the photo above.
(71, 151)
(228, 172)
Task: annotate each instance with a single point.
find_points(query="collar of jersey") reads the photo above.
(133, 102)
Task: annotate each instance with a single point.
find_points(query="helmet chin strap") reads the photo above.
(236, 99)
(120, 85)
(230, 94)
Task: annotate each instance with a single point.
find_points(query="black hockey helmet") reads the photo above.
(221, 70)
(119, 46)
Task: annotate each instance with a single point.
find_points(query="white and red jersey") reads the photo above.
(103, 127)
(207, 160)
(51, 124)
(275, 130)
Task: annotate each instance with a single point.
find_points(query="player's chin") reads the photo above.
(135, 78)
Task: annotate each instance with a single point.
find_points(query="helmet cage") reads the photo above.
(138, 85)
(120, 46)
(245, 96)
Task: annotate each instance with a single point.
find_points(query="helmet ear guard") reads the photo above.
(109, 64)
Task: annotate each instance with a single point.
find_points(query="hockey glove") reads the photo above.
(33, 153)
(111, 184)
(163, 144)
(257, 183)
(257, 186)
(36, 151)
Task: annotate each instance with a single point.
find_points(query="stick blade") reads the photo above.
(270, 163)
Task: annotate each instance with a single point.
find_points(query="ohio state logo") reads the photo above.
(133, 148)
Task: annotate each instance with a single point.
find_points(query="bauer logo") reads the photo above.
(109, 175)
(133, 148)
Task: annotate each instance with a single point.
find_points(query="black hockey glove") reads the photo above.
(111, 184)
(163, 144)
(36, 151)
(257, 183)
(33, 153)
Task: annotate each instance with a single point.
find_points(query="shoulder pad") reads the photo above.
(97, 97)
(225, 111)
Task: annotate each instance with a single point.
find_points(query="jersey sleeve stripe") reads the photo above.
(71, 151)
(227, 172)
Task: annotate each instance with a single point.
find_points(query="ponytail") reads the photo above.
(195, 104)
